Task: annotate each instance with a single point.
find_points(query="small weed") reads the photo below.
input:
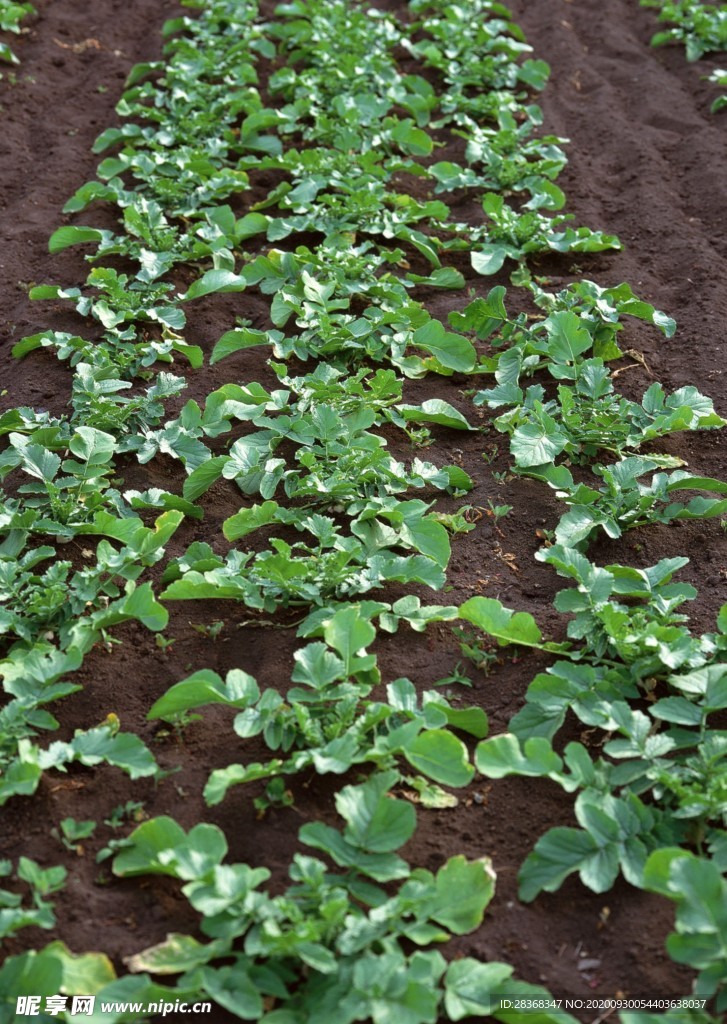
(211, 630)
(498, 512)
(274, 795)
(490, 455)
(471, 646)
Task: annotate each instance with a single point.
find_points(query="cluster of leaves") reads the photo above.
(701, 28)
(42, 884)
(336, 945)
(327, 721)
(11, 15)
(662, 775)
(634, 671)
(586, 416)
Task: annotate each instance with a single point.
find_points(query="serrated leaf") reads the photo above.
(534, 444)
(568, 339)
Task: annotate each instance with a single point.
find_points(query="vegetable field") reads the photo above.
(363, 511)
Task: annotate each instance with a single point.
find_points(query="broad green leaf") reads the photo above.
(509, 627)
(556, 855)
(502, 755)
(235, 341)
(464, 889)
(534, 444)
(678, 710)
(442, 277)
(205, 687)
(124, 750)
(201, 479)
(440, 756)
(428, 537)
(470, 720)
(490, 258)
(568, 339)
(36, 460)
(317, 667)
(93, 446)
(215, 281)
(222, 779)
(382, 867)
(146, 842)
(348, 633)
(412, 141)
(435, 410)
(249, 225)
(234, 990)
(142, 605)
(468, 986)
(482, 315)
(63, 237)
(375, 820)
(249, 519)
(83, 973)
(451, 350)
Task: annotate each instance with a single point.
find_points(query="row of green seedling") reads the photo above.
(256, 474)
(55, 508)
(700, 28)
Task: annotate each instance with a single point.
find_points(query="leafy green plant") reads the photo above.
(330, 566)
(104, 744)
(132, 810)
(512, 235)
(11, 15)
(327, 720)
(195, 135)
(719, 77)
(674, 753)
(72, 832)
(702, 28)
(623, 502)
(697, 887)
(333, 942)
(42, 882)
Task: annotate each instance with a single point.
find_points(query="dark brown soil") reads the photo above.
(646, 163)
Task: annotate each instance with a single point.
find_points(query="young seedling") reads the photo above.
(72, 832)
